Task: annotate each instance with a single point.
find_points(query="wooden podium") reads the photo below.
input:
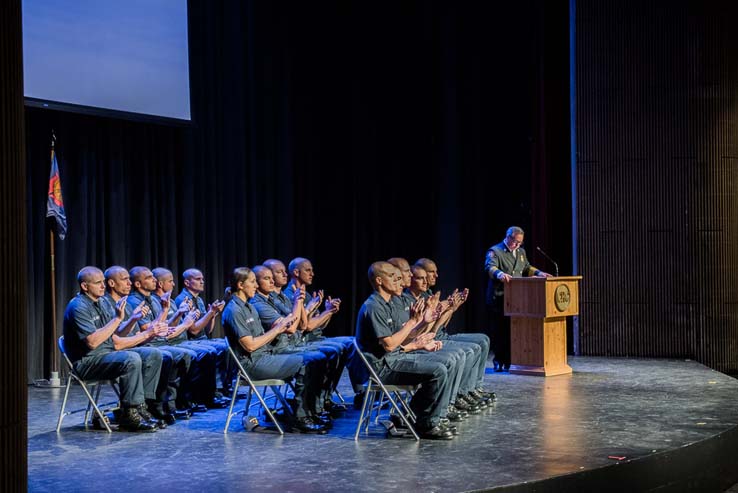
(538, 307)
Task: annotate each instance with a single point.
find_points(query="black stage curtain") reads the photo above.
(342, 132)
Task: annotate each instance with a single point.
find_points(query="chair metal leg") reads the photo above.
(234, 396)
(97, 409)
(64, 403)
(340, 397)
(269, 412)
(363, 410)
(98, 386)
(404, 418)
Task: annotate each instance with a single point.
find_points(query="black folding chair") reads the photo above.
(273, 383)
(95, 385)
(375, 388)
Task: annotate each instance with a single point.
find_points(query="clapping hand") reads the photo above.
(120, 307)
(140, 311)
(332, 304)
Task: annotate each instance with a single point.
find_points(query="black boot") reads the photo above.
(145, 414)
(131, 420)
(156, 409)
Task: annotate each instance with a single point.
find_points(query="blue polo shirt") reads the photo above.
(239, 320)
(282, 301)
(198, 304)
(375, 321)
(82, 317)
(269, 312)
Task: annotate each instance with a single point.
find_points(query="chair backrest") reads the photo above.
(373, 374)
(63, 351)
(240, 367)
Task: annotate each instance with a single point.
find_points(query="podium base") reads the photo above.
(540, 371)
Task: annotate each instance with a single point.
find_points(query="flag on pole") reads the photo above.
(55, 203)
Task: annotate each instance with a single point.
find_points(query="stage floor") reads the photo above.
(610, 411)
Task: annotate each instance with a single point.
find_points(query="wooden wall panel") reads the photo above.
(13, 317)
(657, 179)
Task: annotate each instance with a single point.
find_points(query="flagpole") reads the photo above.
(54, 379)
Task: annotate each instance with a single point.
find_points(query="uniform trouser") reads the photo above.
(171, 382)
(471, 361)
(335, 363)
(123, 365)
(224, 370)
(415, 368)
(284, 367)
(200, 381)
(320, 363)
(483, 342)
(358, 374)
(500, 331)
(154, 363)
(454, 359)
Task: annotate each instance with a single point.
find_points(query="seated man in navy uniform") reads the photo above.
(419, 286)
(251, 343)
(382, 339)
(89, 326)
(271, 309)
(199, 387)
(314, 321)
(118, 283)
(504, 261)
(201, 332)
(468, 355)
(144, 285)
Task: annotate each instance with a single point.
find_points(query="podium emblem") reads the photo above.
(562, 297)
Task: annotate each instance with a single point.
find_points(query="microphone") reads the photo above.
(550, 260)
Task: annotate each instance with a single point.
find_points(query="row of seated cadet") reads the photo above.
(124, 326)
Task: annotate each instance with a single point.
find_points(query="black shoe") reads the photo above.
(306, 425)
(450, 428)
(97, 423)
(131, 420)
(454, 416)
(333, 407)
(436, 433)
(145, 414)
(464, 405)
(321, 420)
(186, 414)
(398, 422)
(453, 410)
(217, 404)
(198, 408)
(490, 396)
(156, 409)
(480, 398)
(497, 366)
(474, 400)
(359, 400)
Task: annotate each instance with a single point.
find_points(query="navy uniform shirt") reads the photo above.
(128, 311)
(500, 258)
(82, 317)
(282, 301)
(375, 321)
(198, 304)
(239, 320)
(269, 312)
(155, 308)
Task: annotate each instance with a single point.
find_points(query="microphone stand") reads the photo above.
(556, 266)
